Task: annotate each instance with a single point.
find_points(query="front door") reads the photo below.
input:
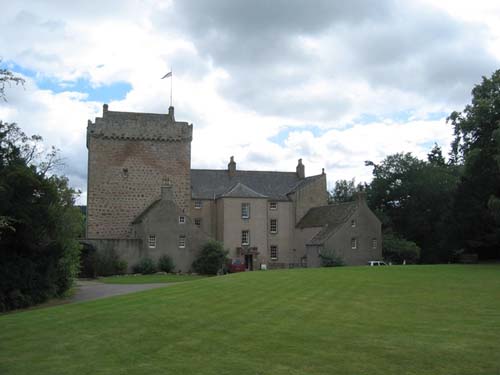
(249, 262)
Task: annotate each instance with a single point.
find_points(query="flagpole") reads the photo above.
(171, 84)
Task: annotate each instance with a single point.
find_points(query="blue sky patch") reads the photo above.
(283, 134)
(103, 93)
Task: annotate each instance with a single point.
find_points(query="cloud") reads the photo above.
(335, 83)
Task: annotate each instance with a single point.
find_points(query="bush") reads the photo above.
(145, 266)
(106, 262)
(399, 250)
(166, 264)
(212, 258)
(329, 258)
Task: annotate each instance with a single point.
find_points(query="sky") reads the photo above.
(335, 83)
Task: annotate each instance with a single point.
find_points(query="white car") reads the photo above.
(376, 263)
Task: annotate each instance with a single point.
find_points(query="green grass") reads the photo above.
(429, 320)
(148, 279)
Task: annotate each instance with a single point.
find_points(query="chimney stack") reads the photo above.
(231, 167)
(171, 113)
(361, 196)
(167, 193)
(301, 173)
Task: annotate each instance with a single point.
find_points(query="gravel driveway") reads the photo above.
(90, 290)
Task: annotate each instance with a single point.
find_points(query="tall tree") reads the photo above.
(7, 78)
(413, 197)
(343, 191)
(39, 253)
(477, 144)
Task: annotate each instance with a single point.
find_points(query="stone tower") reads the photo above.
(130, 157)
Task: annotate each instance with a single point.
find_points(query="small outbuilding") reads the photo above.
(349, 231)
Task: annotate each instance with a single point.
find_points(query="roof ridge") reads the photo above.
(241, 170)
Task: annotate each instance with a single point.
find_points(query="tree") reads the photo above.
(212, 258)
(39, 255)
(477, 145)
(399, 250)
(6, 78)
(343, 191)
(413, 198)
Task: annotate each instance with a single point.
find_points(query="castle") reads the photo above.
(144, 200)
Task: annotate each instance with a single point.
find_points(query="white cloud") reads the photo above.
(341, 89)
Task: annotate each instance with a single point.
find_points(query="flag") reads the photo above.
(169, 74)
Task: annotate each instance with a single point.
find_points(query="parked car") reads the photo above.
(376, 263)
(235, 265)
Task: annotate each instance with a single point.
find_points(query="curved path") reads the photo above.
(90, 290)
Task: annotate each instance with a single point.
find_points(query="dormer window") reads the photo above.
(182, 219)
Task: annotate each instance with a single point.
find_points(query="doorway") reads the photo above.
(249, 262)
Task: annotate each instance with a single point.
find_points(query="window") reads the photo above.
(354, 243)
(273, 226)
(198, 204)
(245, 210)
(152, 242)
(274, 252)
(182, 219)
(374, 243)
(353, 223)
(182, 241)
(245, 237)
(197, 222)
(273, 205)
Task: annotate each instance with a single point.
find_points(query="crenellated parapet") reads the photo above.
(139, 126)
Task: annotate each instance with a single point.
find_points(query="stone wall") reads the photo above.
(129, 250)
(130, 156)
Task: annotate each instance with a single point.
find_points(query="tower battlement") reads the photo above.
(130, 155)
(139, 126)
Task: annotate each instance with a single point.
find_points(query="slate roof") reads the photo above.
(241, 191)
(214, 183)
(143, 214)
(330, 218)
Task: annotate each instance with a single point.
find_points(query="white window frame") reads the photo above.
(182, 219)
(273, 205)
(245, 210)
(198, 204)
(197, 222)
(181, 241)
(245, 233)
(354, 243)
(275, 249)
(353, 223)
(374, 244)
(275, 226)
(152, 241)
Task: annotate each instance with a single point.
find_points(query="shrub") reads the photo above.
(145, 266)
(329, 258)
(166, 264)
(108, 263)
(211, 259)
(397, 249)
(121, 267)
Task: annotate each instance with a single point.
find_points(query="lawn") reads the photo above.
(148, 279)
(427, 320)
